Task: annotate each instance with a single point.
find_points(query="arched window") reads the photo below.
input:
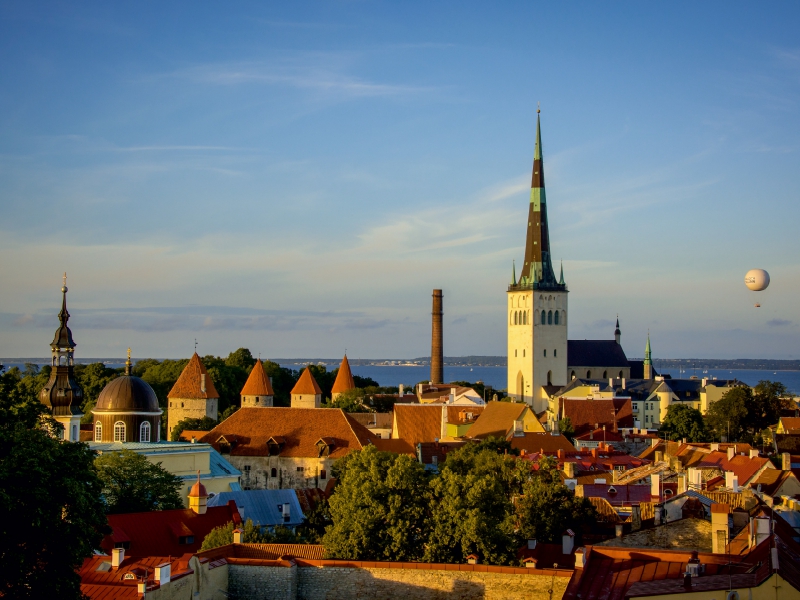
(588, 374)
(144, 432)
(273, 472)
(556, 318)
(98, 432)
(549, 317)
(119, 431)
(563, 317)
(549, 378)
(605, 374)
(536, 317)
(555, 352)
(545, 352)
(516, 316)
(544, 317)
(524, 317)
(620, 374)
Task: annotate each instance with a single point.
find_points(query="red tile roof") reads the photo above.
(306, 384)
(156, 533)
(771, 480)
(597, 459)
(189, 384)
(249, 429)
(416, 423)
(587, 415)
(534, 441)
(461, 414)
(258, 382)
(620, 494)
(497, 419)
(601, 435)
(99, 582)
(791, 424)
(344, 378)
(396, 446)
(744, 467)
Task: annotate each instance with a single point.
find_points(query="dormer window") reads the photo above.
(325, 446)
(275, 445)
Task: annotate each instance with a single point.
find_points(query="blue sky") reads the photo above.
(296, 178)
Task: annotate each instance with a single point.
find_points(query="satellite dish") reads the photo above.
(756, 280)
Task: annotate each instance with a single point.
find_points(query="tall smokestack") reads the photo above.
(437, 347)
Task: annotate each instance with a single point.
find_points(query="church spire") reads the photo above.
(648, 362)
(538, 264)
(617, 332)
(561, 279)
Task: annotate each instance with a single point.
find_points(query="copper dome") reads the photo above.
(129, 394)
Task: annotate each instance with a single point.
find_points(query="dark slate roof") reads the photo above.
(595, 353)
(637, 369)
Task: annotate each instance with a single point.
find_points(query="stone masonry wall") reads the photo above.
(310, 580)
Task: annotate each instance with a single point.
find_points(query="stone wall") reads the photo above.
(342, 580)
(257, 471)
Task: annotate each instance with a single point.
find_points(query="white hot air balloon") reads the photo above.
(757, 280)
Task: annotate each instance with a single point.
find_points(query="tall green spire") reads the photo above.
(538, 263)
(647, 357)
(513, 273)
(561, 279)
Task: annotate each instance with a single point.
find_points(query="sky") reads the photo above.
(295, 178)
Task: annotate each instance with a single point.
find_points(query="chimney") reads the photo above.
(569, 469)
(452, 399)
(519, 428)
(753, 453)
(163, 573)
(594, 452)
(238, 536)
(611, 382)
(655, 485)
(401, 390)
(287, 515)
(682, 483)
(715, 447)
(141, 587)
(786, 461)
(203, 382)
(623, 384)
(580, 558)
(705, 381)
(659, 456)
(731, 452)
(437, 347)
(695, 478)
(653, 441)
(567, 542)
(117, 557)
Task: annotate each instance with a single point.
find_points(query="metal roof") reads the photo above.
(262, 506)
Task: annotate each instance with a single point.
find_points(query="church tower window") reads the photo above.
(556, 318)
(549, 317)
(544, 317)
(515, 318)
(119, 431)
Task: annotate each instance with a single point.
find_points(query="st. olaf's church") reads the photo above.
(541, 360)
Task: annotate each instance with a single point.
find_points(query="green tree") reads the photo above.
(131, 483)
(546, 507)
(227, 413)
(316, 521)
(251, 534)
(53, 517)
(379, 509)
(283, 381)
(728, 415)
(92, 379)
(473, 511)
(351, 401)
(241, 358)
(683, 421)
(566, 429)
(204, 424)
(765, 408)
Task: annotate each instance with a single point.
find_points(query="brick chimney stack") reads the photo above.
(437, 346)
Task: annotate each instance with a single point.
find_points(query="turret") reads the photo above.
(198, 497)
(648, 362)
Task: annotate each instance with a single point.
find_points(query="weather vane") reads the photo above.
(65, 278)
(129, 353)
(538, 107)
(195, 345)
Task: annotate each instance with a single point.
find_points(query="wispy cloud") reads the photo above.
(779, 323)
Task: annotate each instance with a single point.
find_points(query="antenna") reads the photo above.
(538, 107)
(195, 345)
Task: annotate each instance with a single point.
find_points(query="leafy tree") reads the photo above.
(241, 358)
(547, 507)
(49, 495)
(379, 509)
(227, 413)
(728, 415)
(765, 408)
(131, 483)
(204, 424)
(316, 521)
(283, 381)
(473, 508)
(368, 382)
(566, 429)
(683, 421)
(252, 534)
(351, 401)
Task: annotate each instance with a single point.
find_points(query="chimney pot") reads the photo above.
(163, 573)
(238, 534)
(117, 557)
(786, 461)
(731, 452)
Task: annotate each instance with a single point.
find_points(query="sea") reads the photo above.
(393, 375)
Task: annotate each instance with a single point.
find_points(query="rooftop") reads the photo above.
(306, 384)
(497, 419)
(194, 382)
(258, 383)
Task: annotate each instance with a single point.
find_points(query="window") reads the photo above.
(525, 317)
(247, 467)
(515, 354)
(549, 378)
(144, 432)
(119, 431)
(555, 352)
(572, 375)
(545, 352)
(544, 318)
(635, 407)
(605, 374)
(256, 399)
(588, 373)
(273, 472)
(620, 374)
(323, 474)
(523, 353)
(98, 432)
(549, 317)
(186, 540)
(556, 318)
(515, 318)
(300, 469)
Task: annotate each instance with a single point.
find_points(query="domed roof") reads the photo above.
(127, 393)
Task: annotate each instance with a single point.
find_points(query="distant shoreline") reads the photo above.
(750, 364)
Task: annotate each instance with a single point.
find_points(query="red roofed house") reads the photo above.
(306, 393)
(597, 459)
(118, 576)
(415, 423)
(790, 425)
(344, 380)
(504, 420)
(168, 532)
(193, 396)
(746, 468)
(287, 448)
(590, 415)
(257, 391)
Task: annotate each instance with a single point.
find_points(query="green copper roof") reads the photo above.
(647, 360)
(561, 280)
(513, 273)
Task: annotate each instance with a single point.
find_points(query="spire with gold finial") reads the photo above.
(128, 363)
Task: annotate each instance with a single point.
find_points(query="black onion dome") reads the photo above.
(127, 393)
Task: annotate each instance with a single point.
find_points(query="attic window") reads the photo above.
(275, 445)
(612, 490)
(668, 492)
(186, 540)
(325, 446)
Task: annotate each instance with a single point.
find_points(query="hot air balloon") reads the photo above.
(757, 280)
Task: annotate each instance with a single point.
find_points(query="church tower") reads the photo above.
(62, 393)
(648, 360)
(537, 306)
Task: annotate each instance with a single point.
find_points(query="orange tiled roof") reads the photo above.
(497, 419)
(791, 424)
(189, 384)
(396, 446)
(307, 384)
(771, 480)
(587, 415)
(548, 443)
(744, 467)
(188, 434)
(417, 423)
(258, 382)
(250, 428)
(99, 583)
(460, 413)
(344, 378)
